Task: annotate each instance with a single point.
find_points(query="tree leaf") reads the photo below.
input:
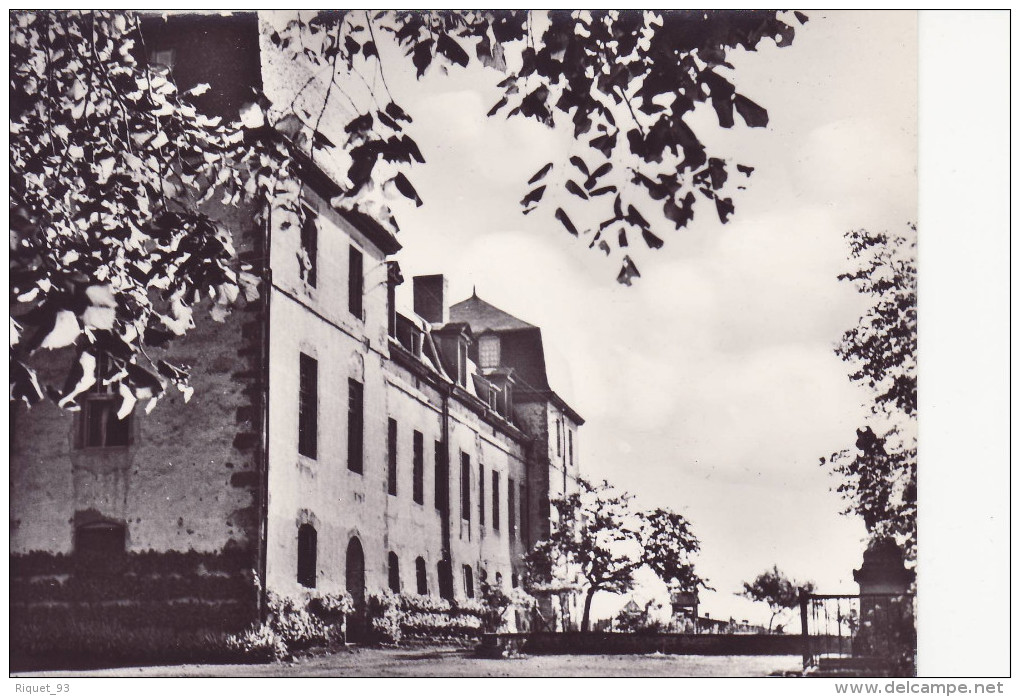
(565, 220)
(540, 173)
(533, 196)
(753, 115)
(600, 171)
(576, 190)
(452, 50)
(422, 56)
(653, 241)
(404, 187)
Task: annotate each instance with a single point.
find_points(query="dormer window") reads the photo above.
(488, 351)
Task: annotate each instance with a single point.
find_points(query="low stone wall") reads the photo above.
(621, 643)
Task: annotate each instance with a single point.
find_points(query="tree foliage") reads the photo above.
(599, 541)
(776, 590)
(880, 473)
(109, 163)
(116, 174)
(626, 83)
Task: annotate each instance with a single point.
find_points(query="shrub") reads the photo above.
(315, 622)
(77, 643)
(258, 644)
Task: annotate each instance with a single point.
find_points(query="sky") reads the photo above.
(710, 386)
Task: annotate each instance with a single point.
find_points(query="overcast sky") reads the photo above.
(710, 386)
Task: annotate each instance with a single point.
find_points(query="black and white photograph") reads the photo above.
(507, 343)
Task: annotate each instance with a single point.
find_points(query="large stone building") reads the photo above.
(336, 440)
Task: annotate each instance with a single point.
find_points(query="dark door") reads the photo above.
(356, 587)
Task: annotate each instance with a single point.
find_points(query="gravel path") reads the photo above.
(463, 663)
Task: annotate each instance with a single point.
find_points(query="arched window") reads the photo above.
(469, 581)
(422, 576)
(445, 573)
(100, 540)
(394, 565)
(307, 550)
(499, 580)
(513, 579)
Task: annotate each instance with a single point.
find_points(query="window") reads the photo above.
(481, 495)
(488, 351)
(163, 58)
(495, 500)
(499, 580)
(421, 574)
(100, 427)
(308, 406)
(513, 579)
(307, 550)
(524, 513)
(442, 482)
(465, 486)
(511, 508)
(559, 438)
(391, 470)
(355, 283)
(418, 467)
(469, 581)
(462, 359)
(445, 573)
(394, 572)
(308, 259)
(355, 426)
(100, 540)
(570, 447)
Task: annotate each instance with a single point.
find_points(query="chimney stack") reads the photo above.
(431, 298)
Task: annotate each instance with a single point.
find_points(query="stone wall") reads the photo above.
(186, 488)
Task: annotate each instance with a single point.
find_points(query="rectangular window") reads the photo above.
(442, 482)
(495, 500)
(481, 495)
(100, 427)
(391, 451)
(570, 446)
(308, 407)
(488, 351)
(465, 486)
(525, 511)
(309, 249)
(355, 284)
(559, 438)
(355, 426)
(511, 508)
(462, 359)
(418, 466)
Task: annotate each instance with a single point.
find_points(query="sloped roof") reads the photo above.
(482, 316)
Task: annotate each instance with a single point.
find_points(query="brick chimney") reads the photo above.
(431, 298)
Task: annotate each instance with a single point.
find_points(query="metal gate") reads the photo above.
(871, 634)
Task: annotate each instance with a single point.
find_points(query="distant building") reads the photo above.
(336, 439)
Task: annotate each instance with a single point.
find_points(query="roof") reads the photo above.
(482, 316)
(521, 349)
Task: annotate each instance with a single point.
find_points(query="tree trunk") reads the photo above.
(586, 617)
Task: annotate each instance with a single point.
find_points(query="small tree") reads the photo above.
(599, 538)
(775, 589)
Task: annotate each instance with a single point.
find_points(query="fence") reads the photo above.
(871, 633)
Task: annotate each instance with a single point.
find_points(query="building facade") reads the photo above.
(336, 440)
